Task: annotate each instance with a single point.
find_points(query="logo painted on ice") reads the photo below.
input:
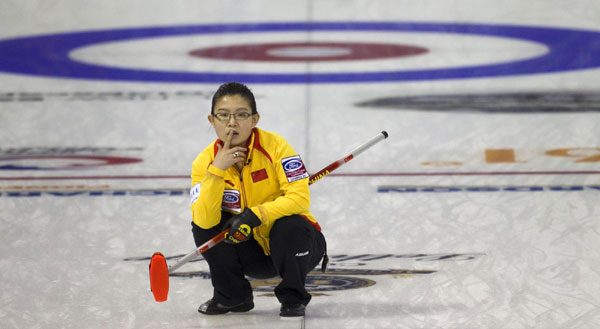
(345, 271)
(64, 158)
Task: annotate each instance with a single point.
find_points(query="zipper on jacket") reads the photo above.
(243, 194)
(243, 189)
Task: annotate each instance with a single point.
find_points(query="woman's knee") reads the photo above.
(290, 228)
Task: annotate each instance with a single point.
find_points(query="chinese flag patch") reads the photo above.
(259, 175)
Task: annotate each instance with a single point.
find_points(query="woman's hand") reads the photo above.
(228, 156)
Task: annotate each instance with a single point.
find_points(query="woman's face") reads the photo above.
(240, 128)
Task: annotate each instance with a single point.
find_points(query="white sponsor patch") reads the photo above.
(301, 254)
(294, 168)
(232, 201)
(194, 193)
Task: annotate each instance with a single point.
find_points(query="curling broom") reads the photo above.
(159, 271)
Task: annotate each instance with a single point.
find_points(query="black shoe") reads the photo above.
(292, 310)
(213, 307)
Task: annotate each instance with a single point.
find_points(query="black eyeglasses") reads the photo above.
(238, 116)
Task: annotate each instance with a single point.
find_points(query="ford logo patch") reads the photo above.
(292, 165)
(230, 198)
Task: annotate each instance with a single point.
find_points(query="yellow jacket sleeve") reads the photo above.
(206, 192)
(295, 198)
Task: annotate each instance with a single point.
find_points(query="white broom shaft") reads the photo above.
(381, 136)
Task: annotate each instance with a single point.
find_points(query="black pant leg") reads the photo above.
(229, 264)
(296, 248)
(230, 287)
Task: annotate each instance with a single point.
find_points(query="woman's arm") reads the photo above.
(207, 192)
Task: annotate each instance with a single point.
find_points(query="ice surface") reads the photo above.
(455, 241)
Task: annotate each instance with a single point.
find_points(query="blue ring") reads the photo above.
(47, 55)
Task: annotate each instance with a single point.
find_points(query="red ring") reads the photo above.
(348, 50)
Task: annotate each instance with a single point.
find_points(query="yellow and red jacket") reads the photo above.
(273, 183)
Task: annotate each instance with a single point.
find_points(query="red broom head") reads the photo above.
(159, 277)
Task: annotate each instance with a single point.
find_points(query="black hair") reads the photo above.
(234, 88)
